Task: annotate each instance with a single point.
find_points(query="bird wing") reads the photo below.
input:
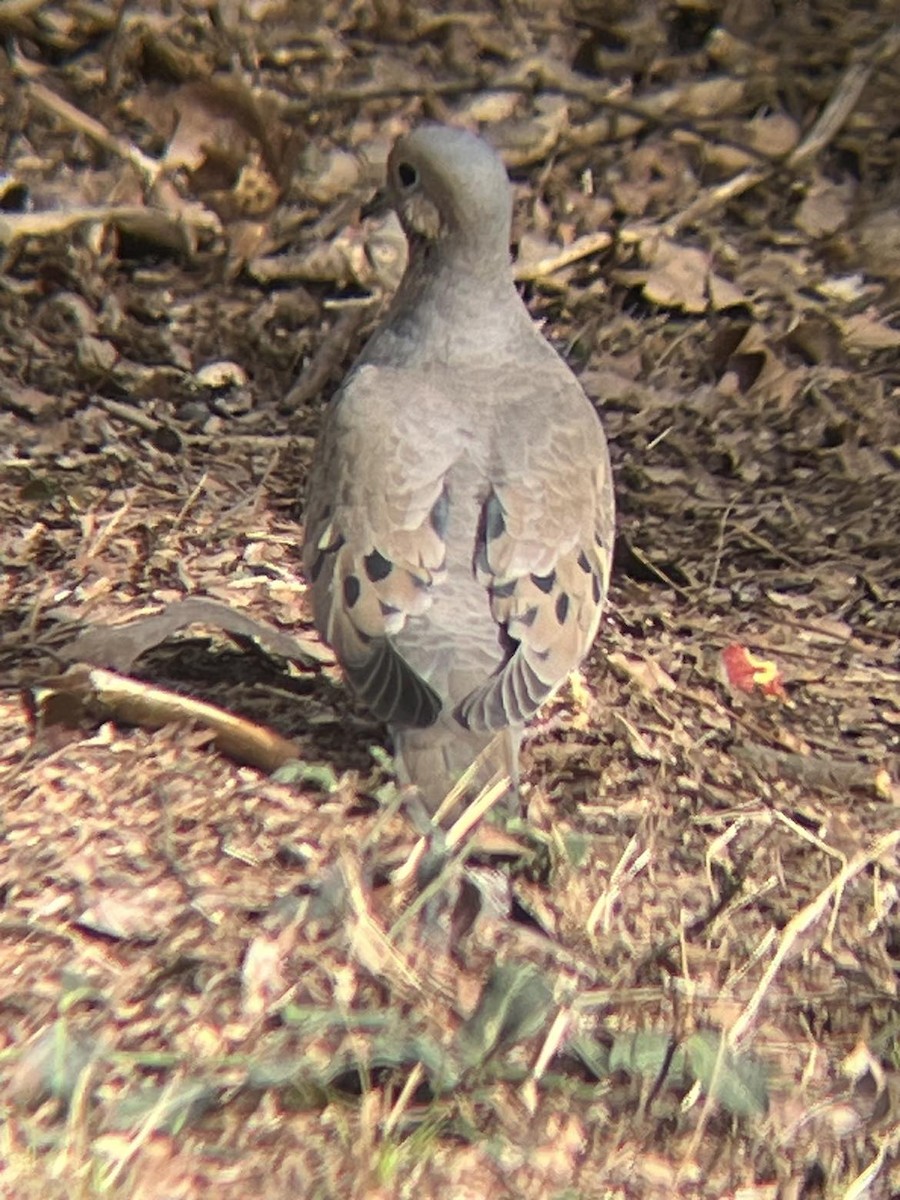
(374, 541)
(544, 551)
(375, 544)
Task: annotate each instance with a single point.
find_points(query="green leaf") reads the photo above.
(737, 1082)
(514, 1005)
(320, 775)
(169, 1108)
(593, 1054)
(646, 1053)
(52, 1065)
(577, 848)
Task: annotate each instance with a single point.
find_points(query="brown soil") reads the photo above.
(686, 980)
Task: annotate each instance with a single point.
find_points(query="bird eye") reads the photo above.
(408, 175)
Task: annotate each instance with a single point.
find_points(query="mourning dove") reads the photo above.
(460, 514)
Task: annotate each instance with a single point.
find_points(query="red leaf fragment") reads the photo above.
(748, 673)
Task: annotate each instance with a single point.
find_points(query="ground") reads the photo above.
(678, 973)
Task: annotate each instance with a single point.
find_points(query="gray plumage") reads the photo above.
(460, 514)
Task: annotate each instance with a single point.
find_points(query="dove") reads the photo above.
(460, 516)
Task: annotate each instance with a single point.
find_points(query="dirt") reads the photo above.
(678, 973)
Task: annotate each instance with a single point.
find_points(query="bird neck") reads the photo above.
(451, 307)
(478, 255)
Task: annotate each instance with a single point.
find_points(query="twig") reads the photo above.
(148, 167)
(632, 861)
(147, 424)
(825, 129)
(538, 74)
(327, 358)
(842, 103)
(770, 547)
(861, 1186)
(815, 772)
(720, 545)
(104, 695)
(196, 492)
(714, 198)
(127, 412)
(556, 1035)
(473, 813)
(803, 920)
(262, 441)
(583, 247)
(14, 10)
(415, 1077)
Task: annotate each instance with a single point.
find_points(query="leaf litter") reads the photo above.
(677, 974)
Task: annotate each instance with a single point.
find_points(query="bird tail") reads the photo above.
(433, 760)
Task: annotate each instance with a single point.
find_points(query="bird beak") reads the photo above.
(378, 206)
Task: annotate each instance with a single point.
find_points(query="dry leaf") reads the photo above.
(681, 277)
(646, 673)
(119, 646)
(262, 974)
(824, 209)
(772, 134)
(747, 673)
(142, 913)
(865, 332)
(677, 276)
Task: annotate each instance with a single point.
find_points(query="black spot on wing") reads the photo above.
(494, 520)
(503, 591)
(440, 514)
(544, 582)
(596, 589)
(562, 607)
(377, 566)
(351, 590)
(528, 617)
(583, 562)
(315, 569)
(491, 525)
